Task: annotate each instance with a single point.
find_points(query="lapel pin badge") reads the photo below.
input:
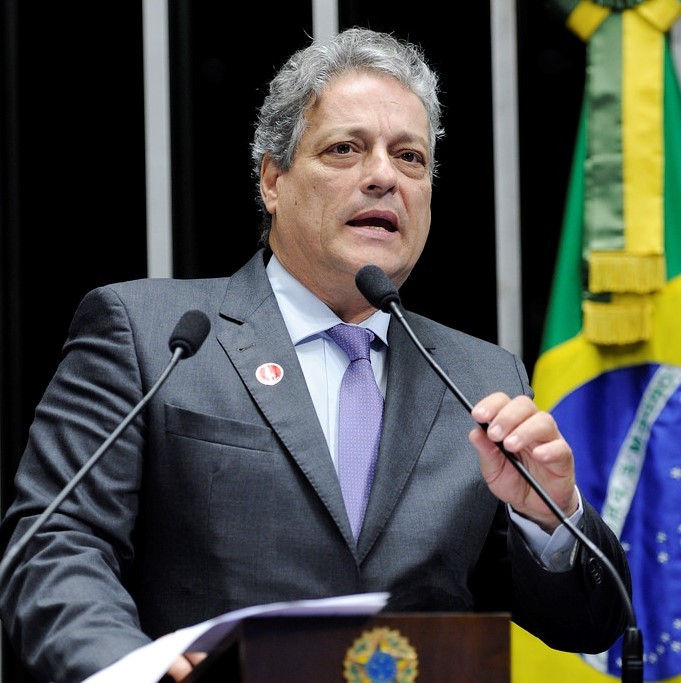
(269, 374)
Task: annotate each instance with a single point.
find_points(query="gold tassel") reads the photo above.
(624, 320)
(619, 271)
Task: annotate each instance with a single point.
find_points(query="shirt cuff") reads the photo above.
(556, 550)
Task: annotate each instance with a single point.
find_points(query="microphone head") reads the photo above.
(377, 288)
(190, 332)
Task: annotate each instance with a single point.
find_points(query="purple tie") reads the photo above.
(359, 421)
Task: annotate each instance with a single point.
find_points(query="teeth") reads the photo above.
(378, 223)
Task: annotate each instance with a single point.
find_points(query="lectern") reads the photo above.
(427, 648)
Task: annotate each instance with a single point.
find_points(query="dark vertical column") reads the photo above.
(455, 280)
(220, 66)
(13, 389)
(182, 145)
(73, 212)
(10, 253)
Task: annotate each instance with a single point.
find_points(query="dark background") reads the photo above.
(72, 178)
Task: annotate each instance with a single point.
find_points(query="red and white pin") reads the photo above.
(269, 374)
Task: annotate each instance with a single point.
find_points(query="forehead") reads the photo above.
(366, 93)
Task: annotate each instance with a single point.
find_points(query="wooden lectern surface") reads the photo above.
(446, 648)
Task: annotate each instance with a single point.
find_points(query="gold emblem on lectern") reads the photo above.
(381, 656)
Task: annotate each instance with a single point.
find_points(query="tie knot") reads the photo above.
(355, 341)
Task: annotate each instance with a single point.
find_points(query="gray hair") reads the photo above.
(301, 80)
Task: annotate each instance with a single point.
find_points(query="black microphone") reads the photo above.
(380, 292)
(189, 334)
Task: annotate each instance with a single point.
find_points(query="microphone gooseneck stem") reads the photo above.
(49, 510)
(632, 648)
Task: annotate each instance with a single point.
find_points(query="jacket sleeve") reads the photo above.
(64, 591)
(583, 609)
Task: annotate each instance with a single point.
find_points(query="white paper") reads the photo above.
(149, 663)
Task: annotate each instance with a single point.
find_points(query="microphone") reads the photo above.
(380, 292)
(189, 334)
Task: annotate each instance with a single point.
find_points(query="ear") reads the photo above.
(269, 174)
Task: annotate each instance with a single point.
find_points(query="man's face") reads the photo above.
(358, 191)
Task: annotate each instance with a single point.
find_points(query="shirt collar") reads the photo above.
(306, 315)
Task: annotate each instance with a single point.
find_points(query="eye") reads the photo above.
(412, 157)
(341, 148)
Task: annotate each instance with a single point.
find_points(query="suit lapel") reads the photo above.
(411, 382)
(254, 334)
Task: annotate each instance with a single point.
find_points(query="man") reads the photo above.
(224, 492)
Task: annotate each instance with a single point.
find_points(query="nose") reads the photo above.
(380, 175)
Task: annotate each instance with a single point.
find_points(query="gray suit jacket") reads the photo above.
(222, 492)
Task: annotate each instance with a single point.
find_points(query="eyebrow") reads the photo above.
(360, 131)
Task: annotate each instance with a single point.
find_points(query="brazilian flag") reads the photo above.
(609, 368)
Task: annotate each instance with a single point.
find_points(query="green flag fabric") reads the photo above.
(609, 368)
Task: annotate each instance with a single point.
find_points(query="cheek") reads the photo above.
(419, 207)
(298, 191)
(427, 195)
(290, 201)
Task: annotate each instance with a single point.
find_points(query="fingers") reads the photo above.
(517, 423)
(180, 668)
(183, 664)
(531, 435)
(195, 657)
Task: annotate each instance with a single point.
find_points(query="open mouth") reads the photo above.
(375, 222)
